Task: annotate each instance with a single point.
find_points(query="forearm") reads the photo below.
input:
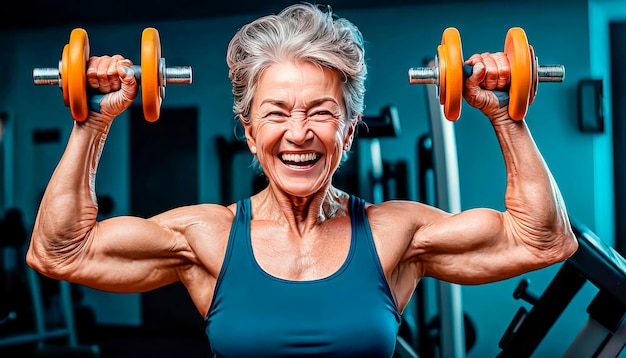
(533, 200)
(68, 208)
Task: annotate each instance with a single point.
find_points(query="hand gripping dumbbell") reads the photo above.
(449, 72)
(152, 75)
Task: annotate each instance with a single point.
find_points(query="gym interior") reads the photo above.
(190, 155)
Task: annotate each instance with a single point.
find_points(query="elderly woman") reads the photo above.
(300, 268)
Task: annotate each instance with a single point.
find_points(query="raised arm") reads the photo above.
(122, 254)
(483, 245)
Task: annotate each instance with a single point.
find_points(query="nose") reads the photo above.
(299, 131)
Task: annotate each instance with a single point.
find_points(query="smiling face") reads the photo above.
(298, 127)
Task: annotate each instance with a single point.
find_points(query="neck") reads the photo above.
(300, 213)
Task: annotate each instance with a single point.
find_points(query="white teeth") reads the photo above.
(296, 158)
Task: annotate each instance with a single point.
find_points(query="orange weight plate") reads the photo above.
(517, 51)
(534, 80)
(441, 66)
(451, 42)
(150, 81)
(78, 55)
(64, 74)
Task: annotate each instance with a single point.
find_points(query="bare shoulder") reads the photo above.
(199, 214)
(201, 227)
(402, 212)
(202, 231)
(394, 225)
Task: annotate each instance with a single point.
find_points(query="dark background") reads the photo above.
(43, 13)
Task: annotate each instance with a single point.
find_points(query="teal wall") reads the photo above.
(397, 39)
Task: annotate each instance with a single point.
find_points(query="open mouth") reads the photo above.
(302, 160)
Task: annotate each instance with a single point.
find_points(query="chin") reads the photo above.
(301, 190)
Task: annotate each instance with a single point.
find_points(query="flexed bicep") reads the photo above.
(472, 247)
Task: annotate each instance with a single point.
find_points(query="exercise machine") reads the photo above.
(379, 180)
(604, 333)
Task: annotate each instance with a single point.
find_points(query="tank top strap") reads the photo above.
(241, 226)
(360, 225)
(237, 242)
(365, 241)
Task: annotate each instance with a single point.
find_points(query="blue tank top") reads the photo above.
(350, 313)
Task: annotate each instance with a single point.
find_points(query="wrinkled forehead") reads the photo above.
(299, 83)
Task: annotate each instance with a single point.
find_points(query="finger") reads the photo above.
(129, 86)
(474, 59)
(473, 92)
(92, 71)
(504, 70)
(478, 70)
(491, 77)
(112, 75)
(116, 102)
(102, 74)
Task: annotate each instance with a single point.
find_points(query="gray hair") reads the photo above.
(304, 32)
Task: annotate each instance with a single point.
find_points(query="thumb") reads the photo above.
(473, 93)
(116, 102)
(129, 86)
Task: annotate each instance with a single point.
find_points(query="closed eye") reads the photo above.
(322, 115)
(276, 116)
(276, 113)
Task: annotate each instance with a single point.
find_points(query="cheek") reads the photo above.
(330, 134)
(265, 133)
(333, 138)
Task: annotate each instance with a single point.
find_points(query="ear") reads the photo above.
(250, 140)
(350, 133)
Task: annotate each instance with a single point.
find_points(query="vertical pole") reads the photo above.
(38, 312)
(448, 198)
(67, 308)
(378, 195)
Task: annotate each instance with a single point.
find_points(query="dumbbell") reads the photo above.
(152, 75)
(449, 72)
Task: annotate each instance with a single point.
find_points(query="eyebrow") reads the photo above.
(322, 100)
(313, 103)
